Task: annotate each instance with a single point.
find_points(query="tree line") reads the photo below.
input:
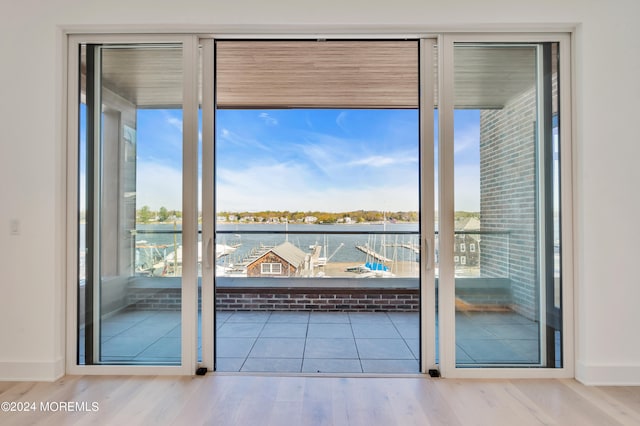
(146, 215)
(356, 216)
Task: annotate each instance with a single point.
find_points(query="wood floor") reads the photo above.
(267, 400)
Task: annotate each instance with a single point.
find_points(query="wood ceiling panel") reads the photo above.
(319, 74)
(487, 77)
(312, 74)
(148, 76)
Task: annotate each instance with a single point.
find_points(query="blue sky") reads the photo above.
(335, 160)
(304, 159)
(466, 149)
(331, 160)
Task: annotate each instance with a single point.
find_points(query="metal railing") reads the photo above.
(324, 253)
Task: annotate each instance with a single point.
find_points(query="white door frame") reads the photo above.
(446, 301)
(427, 207)
(427, 199)
(189, 202)
(208, 295)
(446, 304)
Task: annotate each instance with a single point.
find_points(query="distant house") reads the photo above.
(466, 251)
(310, 219)
(467, 224)
(284, 260)
(467, 246)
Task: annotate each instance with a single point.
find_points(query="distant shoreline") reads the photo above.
(404, 269)
(314, 223)
(179, 222)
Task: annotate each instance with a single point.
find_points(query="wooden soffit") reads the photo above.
(317, 74)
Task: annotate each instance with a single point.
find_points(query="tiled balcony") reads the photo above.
(318, 342)
(325, 342)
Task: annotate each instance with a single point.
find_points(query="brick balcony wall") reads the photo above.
(318, 300)
(285, 299)
(508, 198)
(322, 295)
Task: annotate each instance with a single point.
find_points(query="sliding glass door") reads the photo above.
(502, 247)
(317, 218)
(134, 246)
(320, 206)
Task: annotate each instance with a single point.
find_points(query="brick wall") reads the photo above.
(312, 299)
(474, 293)
(285, 299)
(150, 299)
(508, 198)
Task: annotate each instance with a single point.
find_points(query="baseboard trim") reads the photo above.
(32, 371)
(608, 375)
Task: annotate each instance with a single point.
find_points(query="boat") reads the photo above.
(171, 264)
(374, 266)
(371, 270)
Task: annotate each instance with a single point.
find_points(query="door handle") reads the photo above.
(209, 254)
(429, 254)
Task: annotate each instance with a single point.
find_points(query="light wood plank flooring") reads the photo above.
(268, 400)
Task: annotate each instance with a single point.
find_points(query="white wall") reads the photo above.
(607, 148)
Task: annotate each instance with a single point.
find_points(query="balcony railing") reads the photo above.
(318, 270)
(323, 254)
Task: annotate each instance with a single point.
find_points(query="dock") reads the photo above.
(372, 253)
(409, 246)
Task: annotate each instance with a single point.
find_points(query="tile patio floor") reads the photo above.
(312, 342)
(318, 342)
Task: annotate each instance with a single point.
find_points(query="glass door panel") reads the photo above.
(131, 144)
(317, 231)
(506, 205)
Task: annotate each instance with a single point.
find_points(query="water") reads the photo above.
(155, 241)
(325, 235)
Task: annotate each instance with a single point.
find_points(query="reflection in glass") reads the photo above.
(131, 161)
(504, 206)
(317, 206)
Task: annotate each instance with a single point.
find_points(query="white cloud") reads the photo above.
(252, 186)
(268, 119)
(308, 122)
(341, 120)
(227, 135)
(336, 156)
(467, 138)
(375, 197)
(324, 158)
(175, 122)
(158, 186)
(467, 188)
(381, 161)
(374, 161)
(293, 187)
